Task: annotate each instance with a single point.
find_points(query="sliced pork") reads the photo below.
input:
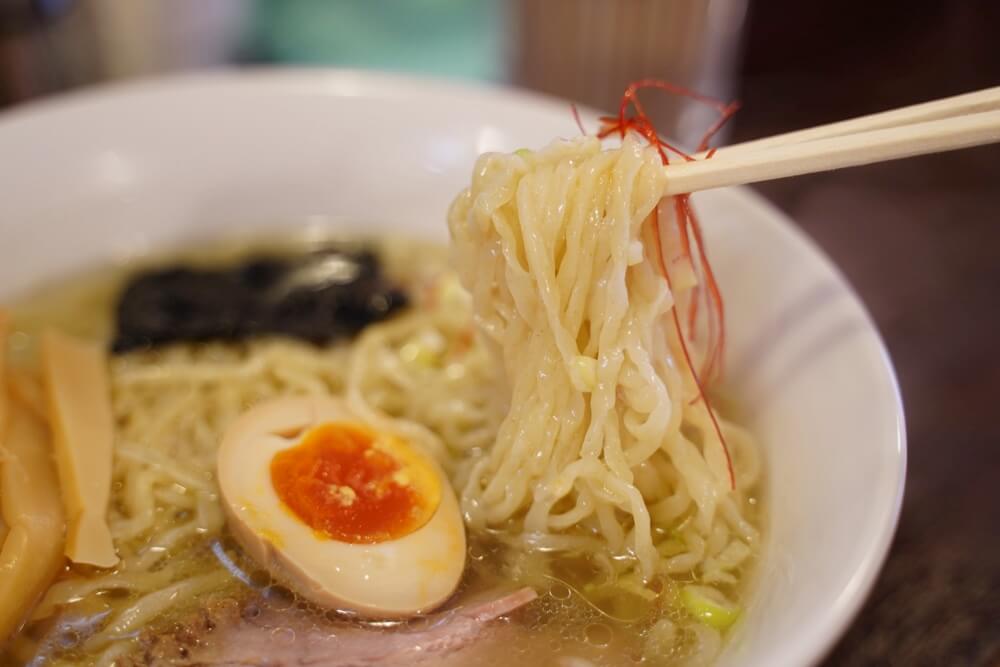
(253, 638)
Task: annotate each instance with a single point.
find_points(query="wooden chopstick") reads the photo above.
(834, 152)
(987, 99)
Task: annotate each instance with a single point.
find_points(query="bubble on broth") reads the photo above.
(582, 612)
(598, 634)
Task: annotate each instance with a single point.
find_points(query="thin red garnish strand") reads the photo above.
(688, 227)
(685, 216)
(687, 354)
(714, 295)
(576, 117)
(726, 112)
(692, 322)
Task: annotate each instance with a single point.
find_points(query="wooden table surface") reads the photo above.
(920, 241)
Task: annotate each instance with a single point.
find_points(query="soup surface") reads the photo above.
(183, 584)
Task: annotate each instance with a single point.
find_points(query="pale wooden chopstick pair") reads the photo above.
(957, 122)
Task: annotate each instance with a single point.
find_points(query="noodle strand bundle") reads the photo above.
(601, 435)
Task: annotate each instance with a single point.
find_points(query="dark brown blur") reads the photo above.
(45, 48)
(920, 241)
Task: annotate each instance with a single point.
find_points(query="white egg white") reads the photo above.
(391, 579)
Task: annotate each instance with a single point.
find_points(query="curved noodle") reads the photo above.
(171, 412)
(553, 247)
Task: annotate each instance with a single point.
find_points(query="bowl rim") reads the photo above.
(809, 646)
(847, 606)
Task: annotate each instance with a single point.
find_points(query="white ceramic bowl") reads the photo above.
(119, 171)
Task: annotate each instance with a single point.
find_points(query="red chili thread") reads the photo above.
(688, 227)
(576, 117)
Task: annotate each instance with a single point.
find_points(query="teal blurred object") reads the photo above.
(459, 38)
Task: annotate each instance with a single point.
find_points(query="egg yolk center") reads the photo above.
(350, 484)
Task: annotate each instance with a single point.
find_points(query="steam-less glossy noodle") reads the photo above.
(605, 440)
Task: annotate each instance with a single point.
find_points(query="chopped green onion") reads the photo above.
(523, 152)
(709, 606)
(452, 295)
(423, 350)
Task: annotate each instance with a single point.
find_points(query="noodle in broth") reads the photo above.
(584, 467)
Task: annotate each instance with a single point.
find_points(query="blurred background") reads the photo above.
(585, 50)
(918, 238)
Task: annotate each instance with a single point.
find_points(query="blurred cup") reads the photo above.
(50, 45)
(590, 50)
(142, 37)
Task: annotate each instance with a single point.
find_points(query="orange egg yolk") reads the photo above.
(352, 485)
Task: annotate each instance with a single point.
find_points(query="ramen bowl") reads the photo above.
(116, 173)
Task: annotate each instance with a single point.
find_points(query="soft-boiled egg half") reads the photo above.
(350, 517)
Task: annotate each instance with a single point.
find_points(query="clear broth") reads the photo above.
(579, 613)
